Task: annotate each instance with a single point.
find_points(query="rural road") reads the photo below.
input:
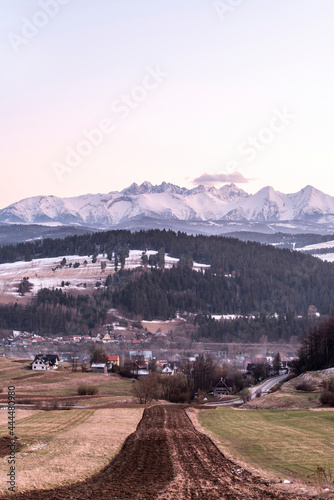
(166, 458)
(263, 387)
(266, 385)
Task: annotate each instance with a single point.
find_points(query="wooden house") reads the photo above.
(223, 388)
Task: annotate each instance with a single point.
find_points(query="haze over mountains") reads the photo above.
(168, 205)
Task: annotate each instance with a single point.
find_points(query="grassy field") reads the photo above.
(287, 443)
(62, 382)
(163, 326)
(64, 446)
(61, 446)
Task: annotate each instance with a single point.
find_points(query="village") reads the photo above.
(136, 352)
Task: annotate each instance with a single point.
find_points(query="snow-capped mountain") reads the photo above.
(173, 203)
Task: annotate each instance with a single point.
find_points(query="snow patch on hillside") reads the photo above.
(327, 257)
(48, 273)
(319, 246)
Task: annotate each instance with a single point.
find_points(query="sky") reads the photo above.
(97, 94)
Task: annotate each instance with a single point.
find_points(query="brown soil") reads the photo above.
(167, 459)
(4, 445)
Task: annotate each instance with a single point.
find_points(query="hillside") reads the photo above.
(301, 393)
(155, 275)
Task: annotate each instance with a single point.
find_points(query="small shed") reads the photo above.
(99, 367)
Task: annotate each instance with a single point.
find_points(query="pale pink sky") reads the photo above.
(182, 88)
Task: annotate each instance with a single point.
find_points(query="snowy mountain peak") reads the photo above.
(170, 202)
(167, 187)
(268, 192)
(145, 187)
(232, 192)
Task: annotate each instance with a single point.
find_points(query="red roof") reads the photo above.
(112, 357)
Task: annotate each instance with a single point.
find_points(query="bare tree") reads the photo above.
(200, 373)
(277, 362)
(98, 354)
(145, 389)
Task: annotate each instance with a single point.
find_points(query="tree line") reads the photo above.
(244, 278)
(317, 348)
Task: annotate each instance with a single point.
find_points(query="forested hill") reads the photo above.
(247, 275)
(214, 250)
(244, 278)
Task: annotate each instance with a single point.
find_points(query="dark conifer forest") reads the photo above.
(272, 287)
(317, 348)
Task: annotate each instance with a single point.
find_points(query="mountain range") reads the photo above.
(170, 206)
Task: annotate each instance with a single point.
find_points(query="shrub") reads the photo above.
(276, 387)
(327, 395)
(305, 386)
(27, 401)
(323, 476)
(126, 373)
(87, 390)
(181, 397)
(246, 395)
(175, 389)
(328, 384)
(24, 286)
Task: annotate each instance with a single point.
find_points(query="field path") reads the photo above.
(166, 459)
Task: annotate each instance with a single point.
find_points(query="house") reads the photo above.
(99, 367)
(112, 359)
(161, 360)
(45, 362)
(223, 388)
(37, 339)
(160, 335)
(167, 371)
(141, 355)
(137, 368)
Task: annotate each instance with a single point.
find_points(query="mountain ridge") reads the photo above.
(170, 202)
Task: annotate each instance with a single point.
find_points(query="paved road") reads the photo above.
(263, 388)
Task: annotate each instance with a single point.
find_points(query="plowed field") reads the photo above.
(166, 458)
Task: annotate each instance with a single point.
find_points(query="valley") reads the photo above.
(173, 451)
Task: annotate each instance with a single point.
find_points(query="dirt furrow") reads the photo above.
(166, 459)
